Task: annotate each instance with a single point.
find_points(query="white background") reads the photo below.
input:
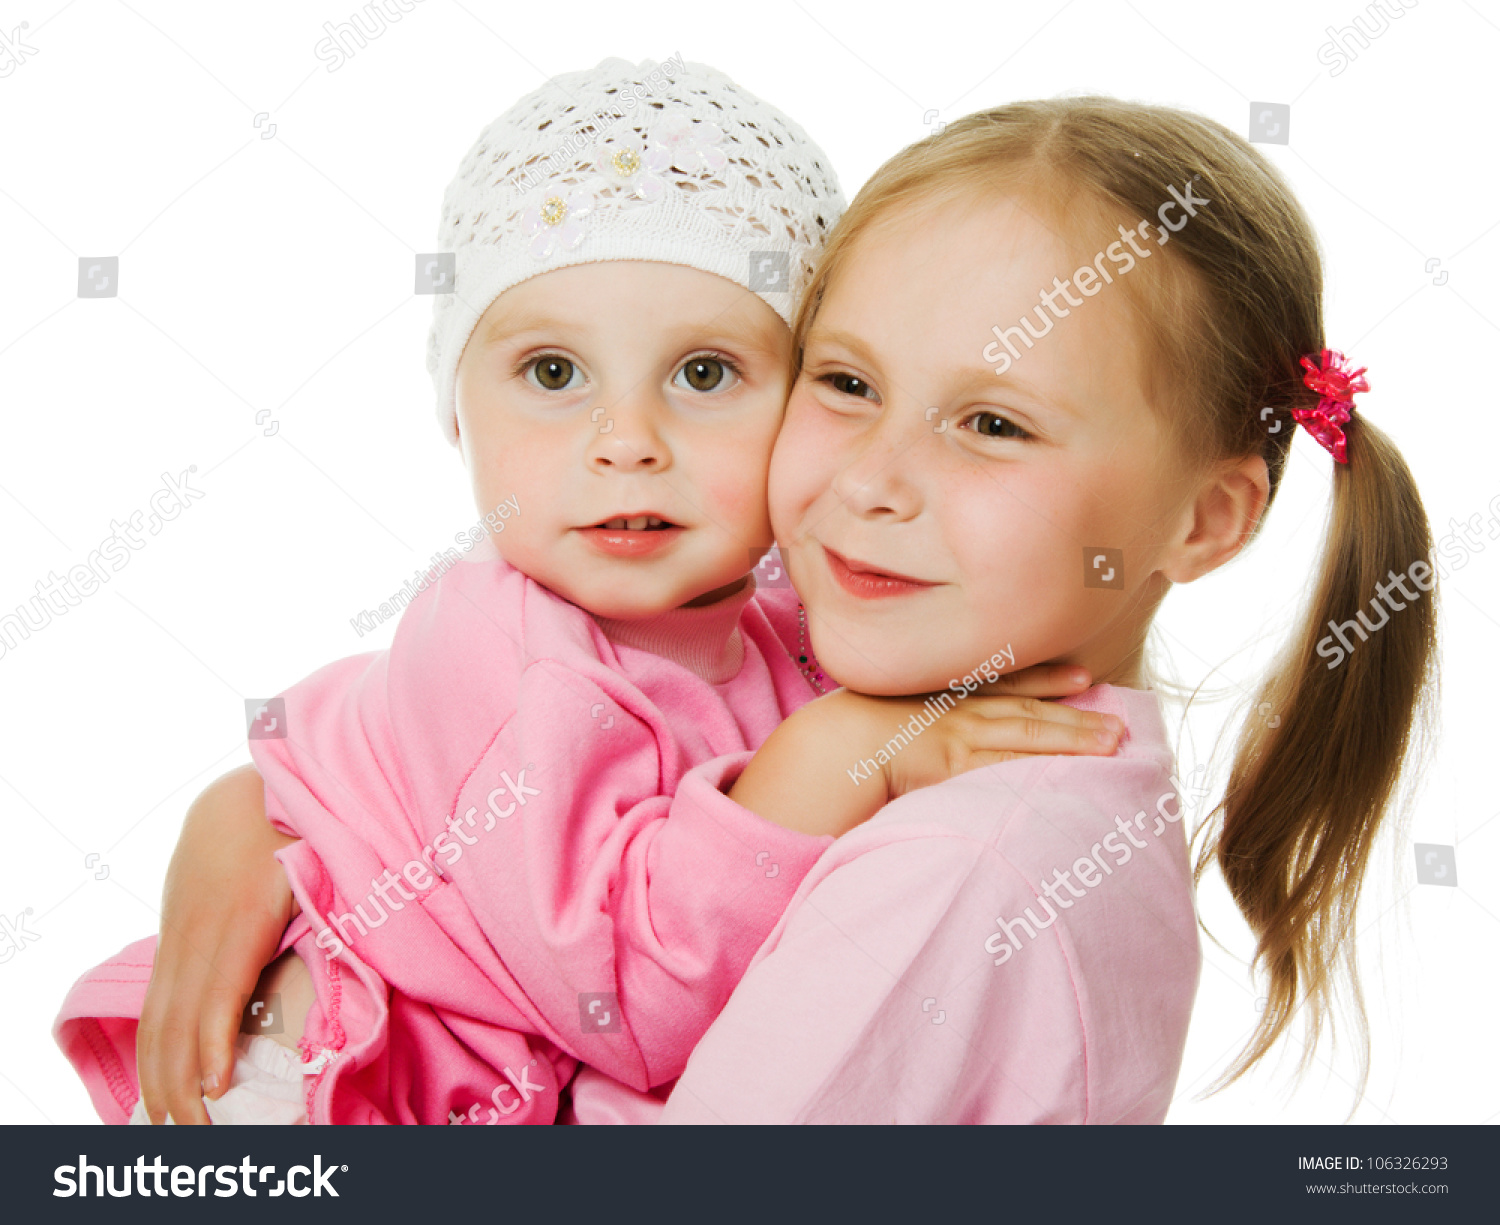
(268, 282)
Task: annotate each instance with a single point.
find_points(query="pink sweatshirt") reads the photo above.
(513, 854)
(1016, 945)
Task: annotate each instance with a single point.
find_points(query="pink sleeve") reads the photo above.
(615, 916)
(370, 744)
(626, 916)
(333, 772)
(877, 1003)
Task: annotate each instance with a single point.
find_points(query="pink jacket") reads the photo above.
(1016, 945)
(513, 853)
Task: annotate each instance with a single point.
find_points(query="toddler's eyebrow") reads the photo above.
(747, 334)
(755, 338)
(504, 328)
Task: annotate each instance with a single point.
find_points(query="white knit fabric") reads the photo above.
(671, 162)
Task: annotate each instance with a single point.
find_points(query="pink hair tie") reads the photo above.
(1329, 373)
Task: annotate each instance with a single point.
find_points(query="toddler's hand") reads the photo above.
(224, 907)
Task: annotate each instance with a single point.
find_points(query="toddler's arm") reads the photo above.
(225, 905)
(472, 752)
(596, 889)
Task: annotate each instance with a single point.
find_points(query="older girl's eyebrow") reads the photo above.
(978, 379)
(846, 340)
(984, 379)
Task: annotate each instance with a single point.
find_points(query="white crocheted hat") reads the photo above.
(671, 162)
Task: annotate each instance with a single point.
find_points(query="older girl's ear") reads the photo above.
(1220, 518)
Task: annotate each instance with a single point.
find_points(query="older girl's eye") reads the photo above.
(993, 425)
(706, 373)
(849, 385)
(552, 372)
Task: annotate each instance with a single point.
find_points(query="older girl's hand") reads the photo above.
(821, 771)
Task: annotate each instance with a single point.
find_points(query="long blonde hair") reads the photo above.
(1229, 312)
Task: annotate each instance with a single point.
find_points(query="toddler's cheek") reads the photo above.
(739, 499)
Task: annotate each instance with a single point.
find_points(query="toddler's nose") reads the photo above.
(626, 439)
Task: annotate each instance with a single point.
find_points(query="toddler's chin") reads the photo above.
(626, 602)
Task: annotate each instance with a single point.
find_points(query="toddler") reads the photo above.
(503, 859)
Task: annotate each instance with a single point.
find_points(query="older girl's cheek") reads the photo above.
(796, 485)
(808, 432)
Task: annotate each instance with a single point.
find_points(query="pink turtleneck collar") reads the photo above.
(706, 641)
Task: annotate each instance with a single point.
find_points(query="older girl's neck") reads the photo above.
(1129, 674)
(1122, 664)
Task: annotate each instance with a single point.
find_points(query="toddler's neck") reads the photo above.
(705, 640)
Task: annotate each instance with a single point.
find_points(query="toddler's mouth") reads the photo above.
(630, 536)
(635, 523)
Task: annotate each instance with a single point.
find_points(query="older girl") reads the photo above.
(1052, 361)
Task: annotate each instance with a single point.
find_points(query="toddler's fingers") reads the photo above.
(147, 1044)
(175, 1010)
(238, 969)
(216, 1034)
(151, 1045)
(185, 1103)
(171, 1063)
(181, 1079)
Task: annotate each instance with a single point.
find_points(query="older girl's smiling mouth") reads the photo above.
(870, 582)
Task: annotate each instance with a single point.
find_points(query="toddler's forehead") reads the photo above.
(645, 295)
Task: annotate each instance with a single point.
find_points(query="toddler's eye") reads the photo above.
(993, 425)
(552, 372)
(704, 373)
(849, 385)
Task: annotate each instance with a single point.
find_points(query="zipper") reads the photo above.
(315, 1065)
